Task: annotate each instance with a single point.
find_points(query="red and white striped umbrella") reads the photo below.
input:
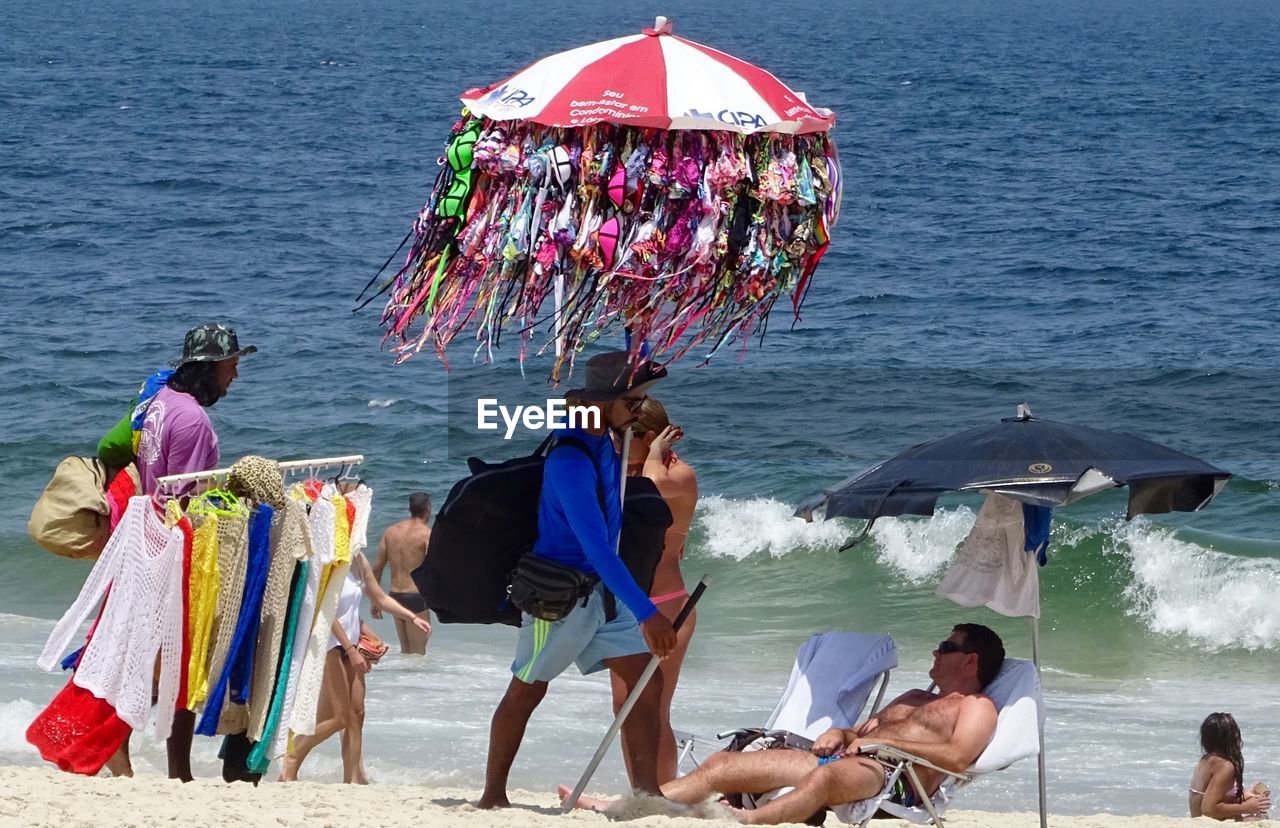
(653, 79)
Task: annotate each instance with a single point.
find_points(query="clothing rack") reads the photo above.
(286, 465)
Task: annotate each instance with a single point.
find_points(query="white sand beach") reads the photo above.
(43, 797)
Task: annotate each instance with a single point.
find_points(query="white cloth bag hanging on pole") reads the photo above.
(991, 569)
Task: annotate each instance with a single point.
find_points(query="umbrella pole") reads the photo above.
(1035, 657)
(622, 476)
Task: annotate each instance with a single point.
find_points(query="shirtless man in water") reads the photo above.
(404, 546)
(949, 728)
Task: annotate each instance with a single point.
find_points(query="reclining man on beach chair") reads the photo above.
(949, 728)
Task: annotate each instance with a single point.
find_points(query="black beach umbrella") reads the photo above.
(1040, 462)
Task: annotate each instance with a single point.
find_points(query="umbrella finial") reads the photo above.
(1024, 412)
(661, 26)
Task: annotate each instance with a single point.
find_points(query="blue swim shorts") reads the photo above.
(546, 648)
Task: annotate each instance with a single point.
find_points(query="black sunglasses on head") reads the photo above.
(951, 647)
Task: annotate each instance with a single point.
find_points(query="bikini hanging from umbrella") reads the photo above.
(647, 182)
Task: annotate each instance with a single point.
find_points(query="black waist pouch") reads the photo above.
(547, 589)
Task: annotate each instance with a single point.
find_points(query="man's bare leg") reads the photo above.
(845, 780)
(413, 641)
(178, 746)
(640, 731)
(402, 633)
(505, 734)
(118, 764)
(762, 771)
(758, 770)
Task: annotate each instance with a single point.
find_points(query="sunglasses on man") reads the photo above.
(634, 404)
(951, 647)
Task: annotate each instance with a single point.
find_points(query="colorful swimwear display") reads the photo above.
(291, 544)
(260, 755)
(225, 591)
(680, 237)
(204, 595)
(234, 680)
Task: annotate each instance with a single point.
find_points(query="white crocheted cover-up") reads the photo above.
(233, 563)
(291, 542)
(142, 565)
(302, 717)
(362, 499)
(320, 521)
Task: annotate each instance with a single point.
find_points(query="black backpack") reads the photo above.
(487, 522)
(490, 519)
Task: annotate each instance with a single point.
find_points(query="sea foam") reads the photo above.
(916, 548)
(1217, 600)
(15, 716)
(1173, 587)
(919, 549)
(741, 528)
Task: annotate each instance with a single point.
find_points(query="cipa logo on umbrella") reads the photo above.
(505, 97)
(726, 116)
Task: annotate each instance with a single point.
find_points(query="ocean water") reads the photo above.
(1072, 204)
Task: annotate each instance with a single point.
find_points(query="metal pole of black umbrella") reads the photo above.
(1035, 657)
(649, 669)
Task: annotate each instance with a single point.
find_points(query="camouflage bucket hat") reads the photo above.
(211, 342)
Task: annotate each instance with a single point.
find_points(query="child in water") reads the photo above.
(1217, 784)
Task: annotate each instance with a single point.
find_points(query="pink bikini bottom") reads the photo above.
(669, 596)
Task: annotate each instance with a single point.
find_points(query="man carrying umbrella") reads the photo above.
(575, 531)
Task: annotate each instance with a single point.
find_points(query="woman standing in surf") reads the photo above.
(652, 440)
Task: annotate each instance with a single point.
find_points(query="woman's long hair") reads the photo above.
(199, 380)
(1220, 735)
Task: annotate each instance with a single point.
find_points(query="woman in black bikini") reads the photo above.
(652, 439)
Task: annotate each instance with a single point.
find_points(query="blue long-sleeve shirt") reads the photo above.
(571, 528)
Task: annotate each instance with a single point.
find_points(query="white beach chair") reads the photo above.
(1016, 693)
(832, 678)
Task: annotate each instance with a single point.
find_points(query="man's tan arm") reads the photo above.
(974, 728)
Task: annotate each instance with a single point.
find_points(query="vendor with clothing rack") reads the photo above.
(178, 438)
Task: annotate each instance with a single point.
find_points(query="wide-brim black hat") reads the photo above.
(615, 374)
